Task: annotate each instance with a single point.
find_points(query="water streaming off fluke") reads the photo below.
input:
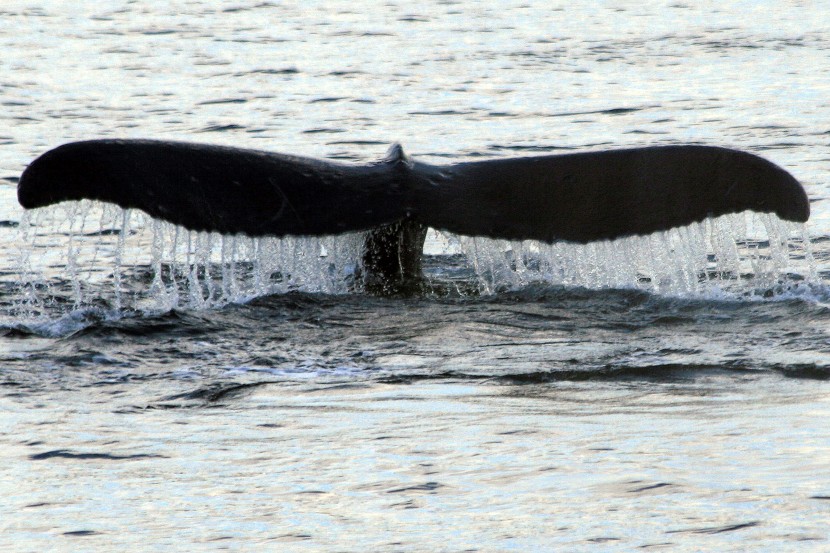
(89, 252)
(80, 254)
(731, 254)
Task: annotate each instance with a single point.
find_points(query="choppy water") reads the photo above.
(520, 406)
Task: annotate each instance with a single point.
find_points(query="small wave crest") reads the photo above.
(60, 326)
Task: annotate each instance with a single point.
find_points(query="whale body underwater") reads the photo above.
(576, 197)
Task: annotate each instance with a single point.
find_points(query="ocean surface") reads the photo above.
(169, 391)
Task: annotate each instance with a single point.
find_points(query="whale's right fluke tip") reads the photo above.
(757, 184)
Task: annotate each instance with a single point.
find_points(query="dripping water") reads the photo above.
(133, 261)
(734, 254)
(81, 254)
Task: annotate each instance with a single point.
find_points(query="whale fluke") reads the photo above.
(214, 188)
(580, 197)
(585, 197)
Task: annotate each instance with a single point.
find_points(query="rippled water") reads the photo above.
(501, 413)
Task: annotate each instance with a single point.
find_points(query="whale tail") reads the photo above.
(580, 197)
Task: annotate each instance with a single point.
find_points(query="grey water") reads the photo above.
(566, 410)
